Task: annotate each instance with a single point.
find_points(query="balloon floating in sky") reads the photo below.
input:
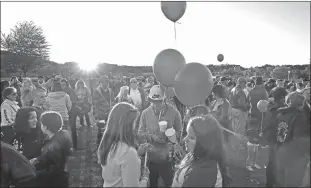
(173, 10)
(193, 84)
(220, 57)
(166, 65)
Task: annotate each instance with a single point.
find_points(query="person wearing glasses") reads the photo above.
(9, 108)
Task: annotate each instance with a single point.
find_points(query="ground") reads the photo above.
(86, 172)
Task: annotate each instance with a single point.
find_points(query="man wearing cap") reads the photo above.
(102, 103)
(159, 160)
(240, 107)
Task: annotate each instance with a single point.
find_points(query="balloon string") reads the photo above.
(175, 30)
(162, 105)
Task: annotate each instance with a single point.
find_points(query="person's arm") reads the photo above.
(130, 169)
(142, 130)
(177, 125)
(6, 114)
(68, 102)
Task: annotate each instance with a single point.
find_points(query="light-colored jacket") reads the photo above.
(60, 102)
(8, 112)
(122, 168)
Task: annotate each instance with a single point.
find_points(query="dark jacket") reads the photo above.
(15, 168)
(102, 103)
(51, 164)
(269, 124)
(31, 142)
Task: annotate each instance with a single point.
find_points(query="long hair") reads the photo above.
(78, 83)
(119, 128)
(210, 140)
(120, 95)
(21, 120)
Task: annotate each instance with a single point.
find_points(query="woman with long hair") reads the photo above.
(9, 108)
(121, 165)
(123, 95)
(28, 132)
(205, 164)
(84, 101)
(26, 92)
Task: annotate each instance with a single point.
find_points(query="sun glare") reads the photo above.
(88, 67)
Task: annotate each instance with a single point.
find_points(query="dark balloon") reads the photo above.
(220, 57)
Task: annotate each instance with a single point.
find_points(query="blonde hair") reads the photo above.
(119, 128)
(120, 95)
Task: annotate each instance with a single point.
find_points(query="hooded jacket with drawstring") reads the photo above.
(60, 102)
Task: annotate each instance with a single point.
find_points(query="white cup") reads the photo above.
(171, 135)
(163, 126)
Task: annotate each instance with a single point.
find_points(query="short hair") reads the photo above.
(65, 81)
(56, 86)
(259, 80)
(249, 84)
(7, 91)
(219, 90)
(52, 120)
(295, 99)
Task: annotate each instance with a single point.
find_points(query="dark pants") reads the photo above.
(163, 170)
(87, 118)
(270, 175)
(73, 129)
(100, 133)
(8, 134)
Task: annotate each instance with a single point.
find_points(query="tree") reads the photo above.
(28, 44)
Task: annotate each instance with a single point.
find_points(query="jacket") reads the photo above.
(102, 103)
(51, 164)
(255, 95)
(8, 112)
(238, 99)
(59, 102)
(15, 168)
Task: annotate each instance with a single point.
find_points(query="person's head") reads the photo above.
(80, 85)
(124, 91)
(198, 110)
(64, 84)
(133, 83)
(9, 93)
(39, 97)
(120, 128)
(242, 82)
(51, 122)
(259, 81)
(219, 91)
(295, 99)
(104, 82)
(279, 95)
(14, 80)
(25, 115)
(56, 87)
(204, 137)
(280, 83)
(156, 97)
(41, 80)
(217, 78)
(150, 80)
(27, 82)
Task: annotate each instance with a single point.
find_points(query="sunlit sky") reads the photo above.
(133, 33)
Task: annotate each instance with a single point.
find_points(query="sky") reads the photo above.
(133, 33)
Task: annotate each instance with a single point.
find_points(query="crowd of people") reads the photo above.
(39, 131)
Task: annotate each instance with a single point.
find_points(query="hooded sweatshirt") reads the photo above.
(60, 102)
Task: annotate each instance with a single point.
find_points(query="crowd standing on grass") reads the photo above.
(144, 135)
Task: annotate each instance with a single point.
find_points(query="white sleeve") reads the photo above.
(130, 169)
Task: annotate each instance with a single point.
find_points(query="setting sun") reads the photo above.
(88, 67)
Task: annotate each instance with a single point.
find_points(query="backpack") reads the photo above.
(285, 123)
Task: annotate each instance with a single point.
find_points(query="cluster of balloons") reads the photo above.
(192, 83)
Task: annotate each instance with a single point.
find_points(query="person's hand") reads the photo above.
(34, 161)
(143, 148)
(179, 152)
(145, 172)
